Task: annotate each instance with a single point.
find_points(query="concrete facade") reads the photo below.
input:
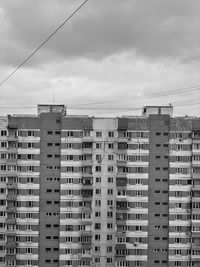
(86, 191)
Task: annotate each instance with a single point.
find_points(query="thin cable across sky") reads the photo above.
(43, 43)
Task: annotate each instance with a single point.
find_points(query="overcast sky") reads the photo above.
(118, 54)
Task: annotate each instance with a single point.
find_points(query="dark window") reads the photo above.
(157, 157)
(158, 145)
(49, 132)
(57, 132)
(158, 133)
(57, 144)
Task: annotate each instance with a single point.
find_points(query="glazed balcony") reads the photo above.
(11, 244)
(12, 185)
(11, 220)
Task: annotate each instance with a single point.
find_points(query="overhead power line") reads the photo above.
(128, 99)
(43, 43)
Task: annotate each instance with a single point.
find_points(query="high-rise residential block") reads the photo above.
(99, 192)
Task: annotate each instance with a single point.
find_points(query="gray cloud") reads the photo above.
(151, 28)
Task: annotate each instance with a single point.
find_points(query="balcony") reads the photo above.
(87, 146)
(11, 220)
(11, 244)
(121, 181)
(10, 232)
(12, 138)
(11, 185)
(87, 162)
(122, 206)
(121, 163)
(11, 197)
(196, 134)
(12, 160)
(195, 234)
(11, 209)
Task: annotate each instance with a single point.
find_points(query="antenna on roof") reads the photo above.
(54, 96)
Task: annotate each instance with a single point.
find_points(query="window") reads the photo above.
(109, 249)
(97, 248)
(110, 179)
(110, 191)
(97, 237)
(97, 226)
(97, 214)
(3, 132)
(97, 203)
(98, 168)
(28, 250)
(158, 145)
(98, 134)
(98, 157)
(110, 157)
(98, 179)
(31, 133)
(98, 191)
(158, 133)
(110, 168)
(109, 260)
(98, 145)
(109, 226)
(110, 134)
(49, 144)
(109, 237)
(97, 260)
(109, 214)
(110, 202)
(111, 145)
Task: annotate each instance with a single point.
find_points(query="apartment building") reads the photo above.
(99, 192)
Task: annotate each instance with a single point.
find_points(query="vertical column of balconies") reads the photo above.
(27, 208)
(87, 196)
(121, 198)
(137, 188)
(3, 180)
(180, 186)
(11, 196)
(76, 197)
(195, 203)
(104, 188)
(132, 196)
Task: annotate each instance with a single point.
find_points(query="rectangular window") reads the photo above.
(99, 134)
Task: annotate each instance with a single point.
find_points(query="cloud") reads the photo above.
(152, 28)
